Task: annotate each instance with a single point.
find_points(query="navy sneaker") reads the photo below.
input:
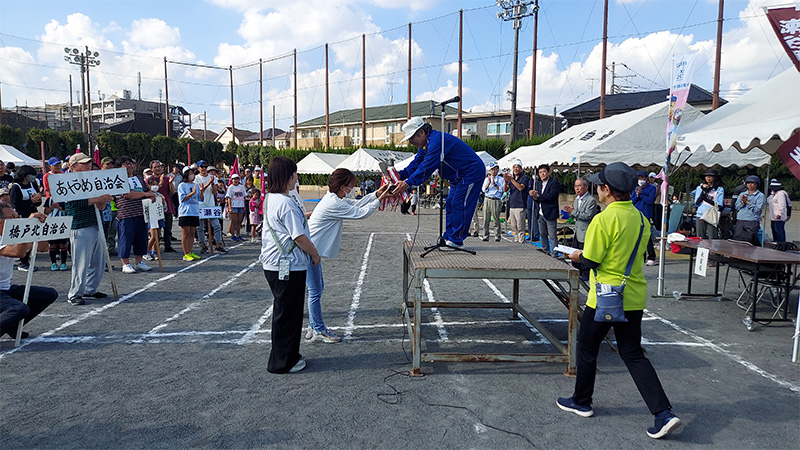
(665, 423)
(567, 404)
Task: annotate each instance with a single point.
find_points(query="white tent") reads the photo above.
(765, 117)
(636, 138)
(10, 154)
(317, 162)
(367, 159)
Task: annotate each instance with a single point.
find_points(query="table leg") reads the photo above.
(515, 300)
(750, 321)
(572, 327)
(691, 269)
(416, 338)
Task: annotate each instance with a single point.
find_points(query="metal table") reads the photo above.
(501, 261)
(758, 256)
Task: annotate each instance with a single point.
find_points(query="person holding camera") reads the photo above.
(707, 195)
(611, 250)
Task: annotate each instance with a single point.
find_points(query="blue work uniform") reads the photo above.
(462, 168)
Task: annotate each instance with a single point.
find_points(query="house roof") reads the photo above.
(618, 103)
(241, 135)
(197, 134)
(267, 135)
(376, 114)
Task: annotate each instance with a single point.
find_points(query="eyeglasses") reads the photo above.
(203, 166)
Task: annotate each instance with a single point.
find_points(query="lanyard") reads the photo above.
(284, 252)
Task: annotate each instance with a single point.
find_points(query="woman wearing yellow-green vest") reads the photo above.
(611, 241)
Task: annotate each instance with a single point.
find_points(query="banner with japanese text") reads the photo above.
(65, 187)
(786, 23)
(20, 231)
(789, 152)
(682, 71)
(153, 211)
(211, 212)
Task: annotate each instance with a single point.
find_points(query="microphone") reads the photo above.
(452, 100)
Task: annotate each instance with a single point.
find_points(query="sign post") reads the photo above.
(22, 231)
(71, 186)
(208, 213)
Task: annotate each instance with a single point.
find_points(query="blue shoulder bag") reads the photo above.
(609, 306)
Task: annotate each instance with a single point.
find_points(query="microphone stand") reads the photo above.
(441, 243)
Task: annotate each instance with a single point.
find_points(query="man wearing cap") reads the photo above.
(545, 192)
(132, 232)
(493, 188)
(610, 242)
(779, 209)
(88, 257)
(643, 198)
(5, 178)
(517, 184)
(55, 167)
(462, 168)
(207, 185)
(748, 212)
(707, 195)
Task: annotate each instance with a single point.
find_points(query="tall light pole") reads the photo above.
(84, 60)
(515, 10)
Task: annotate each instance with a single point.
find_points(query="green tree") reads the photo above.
(494, 147)
(139, 147)
(51, 139)
(70, 140)
(11, 136)
(111, 144)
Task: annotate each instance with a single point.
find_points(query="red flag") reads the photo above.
(789, 152)
(234, 169)
(189, 153)
(786, 23)
(97, 154)
(263, 192)
(42, 144)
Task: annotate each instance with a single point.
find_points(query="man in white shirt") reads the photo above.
(583, 209)
(492, 189)
(207, 185)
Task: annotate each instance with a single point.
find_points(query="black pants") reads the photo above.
(287, 319)
(629, 338)
(167, 231)
(12, 309)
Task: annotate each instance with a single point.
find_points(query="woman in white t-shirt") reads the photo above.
(236, 199)
(286, 252)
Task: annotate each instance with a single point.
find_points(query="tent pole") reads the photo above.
(764, 210)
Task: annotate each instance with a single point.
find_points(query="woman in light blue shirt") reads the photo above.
(188, 212)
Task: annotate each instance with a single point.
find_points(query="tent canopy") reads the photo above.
(317, 162)
(765, 117)
(367, 159)
(637, 138)
(10, 154)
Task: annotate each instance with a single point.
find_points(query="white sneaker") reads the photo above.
(142, 267)
(127, 268)
(453, 244)
(147, 257)
(299, 366)
(650, 262)
(309, 333)
(252, 240)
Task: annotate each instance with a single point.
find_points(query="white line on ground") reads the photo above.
(437, 316)
(256, 327)
(197, 303)
(351, 317)
(717, 348)
(506, 300)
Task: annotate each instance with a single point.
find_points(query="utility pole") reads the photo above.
(715, 99)
(71, 121)
(515, 10)
(603, 63)
(89, 59)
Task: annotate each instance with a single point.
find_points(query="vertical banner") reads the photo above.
(789, 153)
(682, 70)
(786, 23)
(234, 170)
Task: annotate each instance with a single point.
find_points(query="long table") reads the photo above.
(502, 260)
(759, 257)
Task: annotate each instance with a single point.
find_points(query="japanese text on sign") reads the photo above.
(82, 185)
(153, 211)
(20, 231)
(211, 212)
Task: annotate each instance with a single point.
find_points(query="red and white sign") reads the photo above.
(790, 154)
(786, 23)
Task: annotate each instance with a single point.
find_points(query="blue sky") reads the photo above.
(135, 36)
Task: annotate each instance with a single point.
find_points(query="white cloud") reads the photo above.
(153, 33)
(452, 68)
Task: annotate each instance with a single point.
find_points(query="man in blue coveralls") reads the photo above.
(462, 168)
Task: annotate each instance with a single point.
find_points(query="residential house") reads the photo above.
(198, 134)
(699, 98)
(265, 136)
(227, 136)
(497, 125)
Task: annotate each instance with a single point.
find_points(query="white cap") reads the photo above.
(516, 162)
(411, 127)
